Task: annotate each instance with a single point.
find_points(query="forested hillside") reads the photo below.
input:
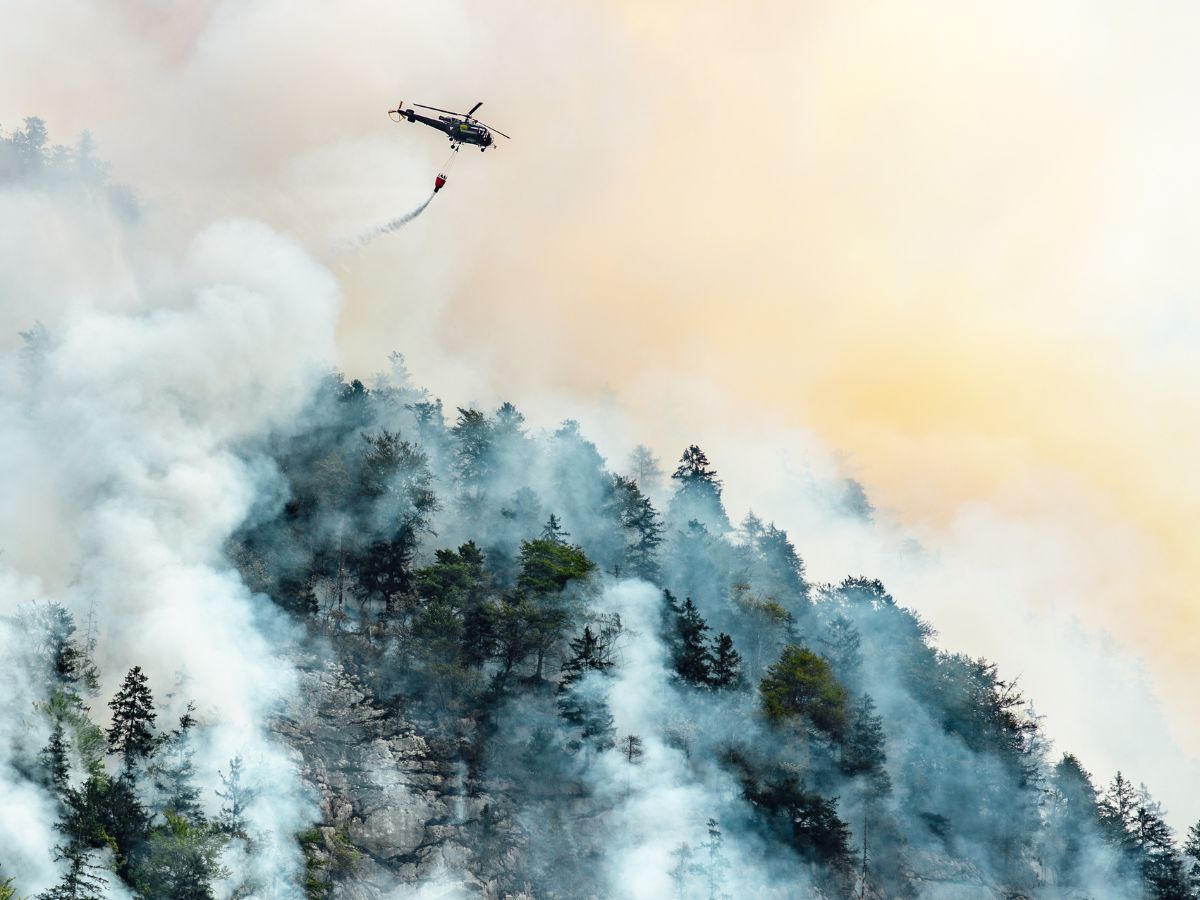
(606, 698)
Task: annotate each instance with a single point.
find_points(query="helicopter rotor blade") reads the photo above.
(473, 108)
(437, 109)
(493, 130)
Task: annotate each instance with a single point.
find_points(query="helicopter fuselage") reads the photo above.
(459, 131)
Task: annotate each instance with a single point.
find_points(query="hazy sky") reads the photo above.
(949, 247)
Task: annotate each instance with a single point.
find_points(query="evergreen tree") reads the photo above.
(714, 868)
(862, 750)
(1118, 811)
(809, 821)
(1072, 819)
(1162, 868)
(585, 706)
(726, 668)
(395, 486)
(181, 862)
(82, 879)
(632, 749)
(508, 421)
(641, 522)
(843, 649)
(105, 812)
(698, 492)
(590, 652)
(854, 501)
(174, 773)
(548, 566)
(237, 796)
(692, 658)
(1191, 854)
(473, 438)
(55, 764)
(65, 661)
(131, 733)
(644, 469)
(553, 531)
(782, 568)
(455, 612)
(681, 873)
(801, 685)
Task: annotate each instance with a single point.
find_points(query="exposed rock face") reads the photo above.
(393, 810)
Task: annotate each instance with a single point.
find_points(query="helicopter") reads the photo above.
(461, 128)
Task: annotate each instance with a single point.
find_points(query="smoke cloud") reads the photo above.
(130, 426)
(953, 242)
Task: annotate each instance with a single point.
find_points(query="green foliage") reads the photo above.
(810, 822)
(726, 663)
(79, 732)
(81, 880)
(395, 483)
(801, 685)
(180, 862)
(105, 813)
(55, 765)
(690, 653)
(862, 750)
(592, 651)
(328, 856)
(643, 528)
(548, 566)
(131, 733)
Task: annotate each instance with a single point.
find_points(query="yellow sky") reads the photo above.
(955, 241)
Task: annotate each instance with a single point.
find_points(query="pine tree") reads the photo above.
(1118, 811)
(801, 685)
(508, 422)
(632, 749)
(644, 469)
(1191, 853)
(698, 492)
(174, 773)
(1163, 871)
(585, 707)
(590, 652)
(131, 733)
(783, 569)
(82, 879)
(395, 486)
(553, 531)
(681, 873)
(692, 659)
(641, 520)
(843, 649)
(55, 765)
(180, 862)
(726, 668)
(1072, 819)
(238, 796)
(473, 438)
(715, 867)
(862, 750)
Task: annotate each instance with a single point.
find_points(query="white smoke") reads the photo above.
(129, 456)
(664, 801)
